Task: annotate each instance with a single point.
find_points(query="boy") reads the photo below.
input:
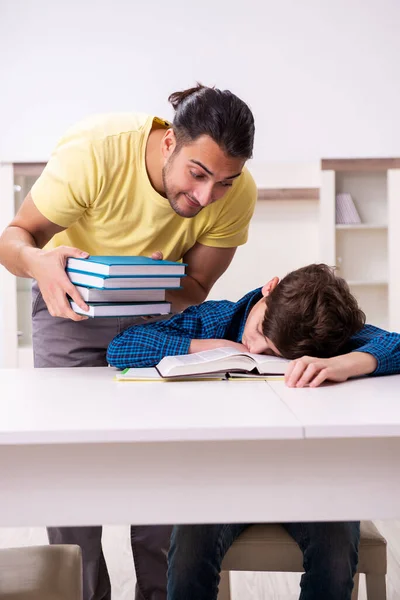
(310, 313)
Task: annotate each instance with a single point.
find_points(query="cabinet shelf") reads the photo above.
(361, 226)
(366, 253)
(367, 283)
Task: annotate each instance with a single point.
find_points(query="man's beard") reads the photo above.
(173, 197)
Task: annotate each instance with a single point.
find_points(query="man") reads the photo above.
(132, 184)
(310, 312)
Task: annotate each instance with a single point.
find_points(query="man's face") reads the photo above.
(253, 336)
(197, 174)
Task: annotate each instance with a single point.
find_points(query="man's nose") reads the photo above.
(204, 196)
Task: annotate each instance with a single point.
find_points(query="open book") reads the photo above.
(221, 363)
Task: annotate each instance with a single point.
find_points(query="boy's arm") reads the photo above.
(146, 345)
(374, 352)
(383, 345)
(191, 331)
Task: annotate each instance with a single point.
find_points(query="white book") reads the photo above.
(131, 283)
(346, 211)
(102, 295)
(221, 360)
(117, 309)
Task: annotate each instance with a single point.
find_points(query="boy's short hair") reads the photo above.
(311, 312)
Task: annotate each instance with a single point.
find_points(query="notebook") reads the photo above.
(151, 374)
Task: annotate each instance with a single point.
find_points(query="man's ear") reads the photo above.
(168, 143)
(270, 286)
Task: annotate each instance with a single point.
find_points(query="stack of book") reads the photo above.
(124, 286)
(346, 211)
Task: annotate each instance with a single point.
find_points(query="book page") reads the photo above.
(208, 360)
(265, 358)
(199, 357)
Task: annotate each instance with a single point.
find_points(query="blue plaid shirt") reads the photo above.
(145, 345)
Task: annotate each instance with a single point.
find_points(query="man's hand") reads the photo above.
(48, 268)
(312, 371)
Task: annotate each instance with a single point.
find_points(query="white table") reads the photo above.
(77, 447)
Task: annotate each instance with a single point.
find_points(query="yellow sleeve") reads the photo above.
(232, 226)
(69, 184)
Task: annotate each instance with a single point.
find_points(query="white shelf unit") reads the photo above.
(15, 292)
(365, 254)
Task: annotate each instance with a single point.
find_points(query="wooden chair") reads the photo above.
(270, 548)
(41, 573)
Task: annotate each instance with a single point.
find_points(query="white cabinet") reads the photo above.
(365, 254)
(15, 292)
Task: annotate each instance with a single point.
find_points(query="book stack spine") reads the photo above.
(346, 211)
(124, 295)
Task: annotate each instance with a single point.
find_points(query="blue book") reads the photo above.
(125, 282)
(121, 266)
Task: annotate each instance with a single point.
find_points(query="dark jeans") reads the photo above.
(330, 556)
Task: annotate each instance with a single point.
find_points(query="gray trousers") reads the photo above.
(65, 343)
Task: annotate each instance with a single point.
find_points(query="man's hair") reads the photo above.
(311, 312)
(217, 113)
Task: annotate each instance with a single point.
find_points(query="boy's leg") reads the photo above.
(195, 558)
(330, 552)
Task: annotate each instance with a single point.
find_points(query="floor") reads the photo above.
(245, 586)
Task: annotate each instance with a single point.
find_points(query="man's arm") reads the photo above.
(22, 240)
(206, 264)
(21, 253)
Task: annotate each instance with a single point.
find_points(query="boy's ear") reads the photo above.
(270, 286)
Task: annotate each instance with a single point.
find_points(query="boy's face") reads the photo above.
(253, 337)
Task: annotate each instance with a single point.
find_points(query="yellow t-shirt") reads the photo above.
(96, 186)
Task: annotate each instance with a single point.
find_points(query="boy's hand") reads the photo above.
(312, 371)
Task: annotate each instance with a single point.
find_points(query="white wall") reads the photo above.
(283, 236)
(320, 75)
